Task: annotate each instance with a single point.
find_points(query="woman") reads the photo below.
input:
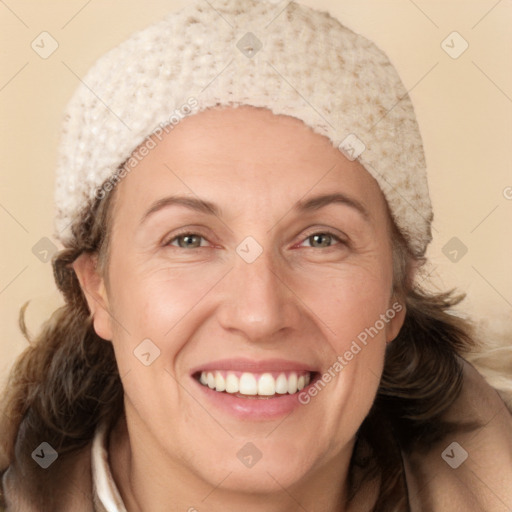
(243, 202)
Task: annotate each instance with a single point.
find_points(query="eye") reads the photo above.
(317, 240)
(323, 239)
(186, 240)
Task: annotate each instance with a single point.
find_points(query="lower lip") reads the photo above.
(252, 408)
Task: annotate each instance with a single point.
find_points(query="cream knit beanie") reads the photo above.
(294, 61)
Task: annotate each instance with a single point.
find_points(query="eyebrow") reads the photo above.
(199, 205)
(317, 202)
(209, 208)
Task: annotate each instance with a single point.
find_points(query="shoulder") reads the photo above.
(470, 469)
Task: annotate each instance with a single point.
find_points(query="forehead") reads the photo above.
(243, 158)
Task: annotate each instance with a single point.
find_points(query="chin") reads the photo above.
(261, 479)
(270, 473)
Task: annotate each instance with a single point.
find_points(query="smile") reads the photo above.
(256, 390)
(249, 384)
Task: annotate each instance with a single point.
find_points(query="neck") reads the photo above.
(147, 479)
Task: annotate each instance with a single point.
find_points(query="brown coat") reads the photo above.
(435, 481)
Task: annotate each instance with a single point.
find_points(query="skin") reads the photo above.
(297, 301)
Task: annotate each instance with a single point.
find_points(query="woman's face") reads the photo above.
(247, 247)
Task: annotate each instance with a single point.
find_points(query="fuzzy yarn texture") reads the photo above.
(295, 61)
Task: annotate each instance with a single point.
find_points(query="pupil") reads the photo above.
(318, 237)
(189, 240)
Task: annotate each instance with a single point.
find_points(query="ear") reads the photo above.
(93, 286)
(397, 301)
(396, 314)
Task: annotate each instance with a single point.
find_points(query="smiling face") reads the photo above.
(254, 256)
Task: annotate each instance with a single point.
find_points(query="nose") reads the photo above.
(257, 301)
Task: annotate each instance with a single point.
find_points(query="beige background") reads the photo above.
(464, 109)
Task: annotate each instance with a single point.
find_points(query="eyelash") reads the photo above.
(321, 232)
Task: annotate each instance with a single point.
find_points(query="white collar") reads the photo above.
(103, 481)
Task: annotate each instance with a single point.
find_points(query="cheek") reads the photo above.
(157, 304)
(348, 306)
(354, 310)
(164, 294)
(349, 301)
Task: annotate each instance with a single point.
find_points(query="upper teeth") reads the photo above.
(255, 383)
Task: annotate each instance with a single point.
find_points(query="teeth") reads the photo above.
(232, 383)
(220, 382)
(266, 385)
(292, 383)
(282, 384)
(248, 384)
(255, 384)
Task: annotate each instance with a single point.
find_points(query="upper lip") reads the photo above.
(254, 366)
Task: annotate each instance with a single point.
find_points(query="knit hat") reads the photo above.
(295, 61)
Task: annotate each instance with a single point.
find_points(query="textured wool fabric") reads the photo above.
(295, 61)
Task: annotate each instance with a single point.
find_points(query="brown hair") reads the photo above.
(67, 382)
